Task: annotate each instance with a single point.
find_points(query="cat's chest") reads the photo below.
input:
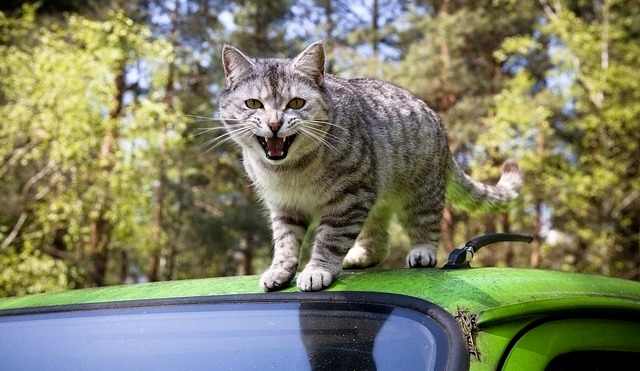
(304, 191)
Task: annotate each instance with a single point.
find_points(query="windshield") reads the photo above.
(230, 336)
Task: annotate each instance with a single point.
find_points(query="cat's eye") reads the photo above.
(296, 103)
(253, 103)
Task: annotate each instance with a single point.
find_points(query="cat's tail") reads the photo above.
(471, 195)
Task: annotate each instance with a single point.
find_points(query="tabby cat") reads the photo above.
(346, 155)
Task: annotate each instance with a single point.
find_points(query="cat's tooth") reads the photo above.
(284, 140)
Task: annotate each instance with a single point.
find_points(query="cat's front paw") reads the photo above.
(422, 257)
(276, 279)
(315, 278)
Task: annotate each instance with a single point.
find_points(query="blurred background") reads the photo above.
(108, 173)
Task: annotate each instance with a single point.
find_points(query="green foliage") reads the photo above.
(58, 101)
(581, 115)
(261, 26)
(31, 272)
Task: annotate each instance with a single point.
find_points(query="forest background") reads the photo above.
(109, 173)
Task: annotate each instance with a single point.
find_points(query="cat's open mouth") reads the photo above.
(276, 148)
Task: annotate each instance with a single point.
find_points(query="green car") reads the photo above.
(406, 319)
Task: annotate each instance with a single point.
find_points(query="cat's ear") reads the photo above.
(236, 65)
(311, 62)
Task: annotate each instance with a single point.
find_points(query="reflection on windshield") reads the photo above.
(340, 340)
(280, 336)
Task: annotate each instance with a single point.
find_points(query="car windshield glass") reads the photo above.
(230, 336)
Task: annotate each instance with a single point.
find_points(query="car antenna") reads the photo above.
(460, 258)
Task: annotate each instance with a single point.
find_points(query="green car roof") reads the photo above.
(494, 293)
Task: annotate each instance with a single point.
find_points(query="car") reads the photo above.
(454, 318)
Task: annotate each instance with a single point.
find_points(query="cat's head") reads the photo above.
(276, 109)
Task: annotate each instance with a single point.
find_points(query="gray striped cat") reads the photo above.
(347, 155)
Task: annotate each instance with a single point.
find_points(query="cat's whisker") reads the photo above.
(213, 144)
(204, 120)
(320, 133)
(228, 119)
(201, 118)
(319, 130)
(236, 130)
(212, 118)
(240, 130)
(325, 123)
(201, 131)
(198, 116)
(220, 127)
(204, 130)
(314, 135)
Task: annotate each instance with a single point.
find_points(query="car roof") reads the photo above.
(497, 293)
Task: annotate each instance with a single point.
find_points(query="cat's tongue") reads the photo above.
(275, 146)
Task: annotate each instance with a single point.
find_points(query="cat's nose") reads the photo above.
(275, 126)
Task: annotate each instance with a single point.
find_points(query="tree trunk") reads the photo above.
(158, 212)
(158, 208)
(99, 240)
(159, 253)
(244, 257)
(490, 254)
(100, 226)
(329, 27)
(260, 26)
(172, 246)
(375, 30)
(636, 261)
(508, 246)
(124, 267)
(534, 257)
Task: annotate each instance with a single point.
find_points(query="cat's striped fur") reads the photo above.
(346, 154)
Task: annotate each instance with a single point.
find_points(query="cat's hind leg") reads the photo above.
(372, 244)
(423, 220)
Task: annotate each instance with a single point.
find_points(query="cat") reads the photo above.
(347, 155)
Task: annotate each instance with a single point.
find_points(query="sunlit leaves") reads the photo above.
(31, 272)
(57, 106)
(590, 130)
